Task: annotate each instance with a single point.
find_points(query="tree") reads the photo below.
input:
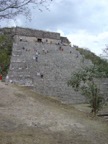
(12, 8)
(84, 80)
(5, 53)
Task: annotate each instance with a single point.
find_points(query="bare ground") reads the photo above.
(29, 118)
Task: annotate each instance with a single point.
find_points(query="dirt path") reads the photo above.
(29, 118)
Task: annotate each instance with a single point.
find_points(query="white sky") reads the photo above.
(84, 22)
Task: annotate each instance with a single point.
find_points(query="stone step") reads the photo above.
(55, 65)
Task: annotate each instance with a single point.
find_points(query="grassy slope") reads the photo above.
(102, 64)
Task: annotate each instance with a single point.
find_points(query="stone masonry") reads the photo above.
(49, 75)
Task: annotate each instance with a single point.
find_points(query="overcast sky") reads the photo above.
(84, 22)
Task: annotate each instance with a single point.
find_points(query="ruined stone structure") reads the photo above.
(50, 73)
(37, 35)
(44, 36)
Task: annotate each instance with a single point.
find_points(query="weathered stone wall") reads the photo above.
(26, 33)
(34, 39)
(56, 66)
(37, 33)
(64, 40)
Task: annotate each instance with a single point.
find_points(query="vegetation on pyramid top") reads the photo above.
(102, 64)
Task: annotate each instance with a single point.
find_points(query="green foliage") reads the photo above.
(84, 81)
(102, 64)
(93, 96)
(5, 53)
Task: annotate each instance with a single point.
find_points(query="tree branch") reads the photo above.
(9, 8)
